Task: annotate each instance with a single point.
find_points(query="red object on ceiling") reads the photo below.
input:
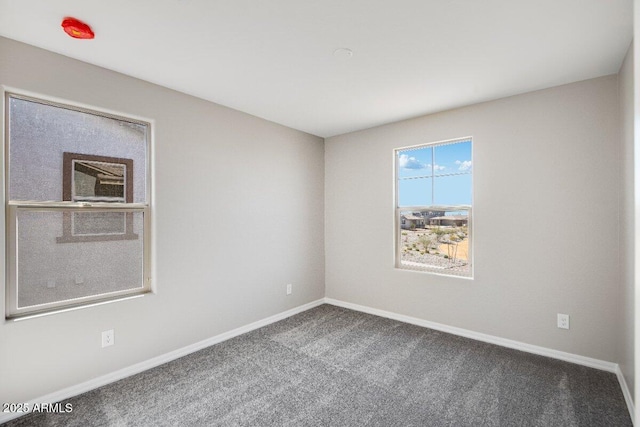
(77, 29)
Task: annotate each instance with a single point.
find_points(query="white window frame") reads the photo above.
(425, 268)
(12, 208)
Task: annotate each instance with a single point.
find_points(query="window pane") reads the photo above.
(440, 245)
(453, 190)
(39, 134)
(64, 255)
(414, 192)
(453, 158)
(98, 181)
(98, 223)
(415, 162)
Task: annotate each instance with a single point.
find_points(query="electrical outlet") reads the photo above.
(79, 280)
(289, 288)
(107, 338)
(563, 321)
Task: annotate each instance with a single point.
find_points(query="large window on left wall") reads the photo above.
(77, 206)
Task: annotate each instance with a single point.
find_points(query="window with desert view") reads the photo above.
(434, 207)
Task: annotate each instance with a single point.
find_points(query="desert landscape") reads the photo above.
(445, 248)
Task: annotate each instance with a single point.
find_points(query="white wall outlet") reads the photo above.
(289, 288)
(79, 280)
(51, 283)
(107, 338)
(563, 321)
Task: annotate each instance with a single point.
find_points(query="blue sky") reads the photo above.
(444, 168)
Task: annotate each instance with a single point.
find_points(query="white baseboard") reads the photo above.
(517, 345)
(626, 393)
(86, 386)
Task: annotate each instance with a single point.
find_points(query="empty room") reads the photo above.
(287, 213)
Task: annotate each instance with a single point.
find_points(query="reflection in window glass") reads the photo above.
(99, 223)
(98, 181)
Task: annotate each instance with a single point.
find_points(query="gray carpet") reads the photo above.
(335, 367)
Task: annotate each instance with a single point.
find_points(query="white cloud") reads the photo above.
(407, 162)
(464, 165)
(437, 168)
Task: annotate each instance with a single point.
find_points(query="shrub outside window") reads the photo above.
(77, 206)
(433, 207)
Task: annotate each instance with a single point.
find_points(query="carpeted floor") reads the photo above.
(335, 367)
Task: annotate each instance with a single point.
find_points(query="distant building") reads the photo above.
(410, 221)
(427, 215)
(449, 220)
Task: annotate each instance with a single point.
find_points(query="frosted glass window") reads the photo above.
(99, 224)
(53, 272)
(435, 182)
(40, 133)
(78, 207)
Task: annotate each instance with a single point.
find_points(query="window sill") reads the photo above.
(100, 238)
(420, 268)
(18, 318)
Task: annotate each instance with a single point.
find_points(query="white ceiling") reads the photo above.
(274, 59)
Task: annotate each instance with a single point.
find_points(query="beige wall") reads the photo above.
(636, 185)
(627, 226)
(213, 167)
(546, 180)
(546, 184)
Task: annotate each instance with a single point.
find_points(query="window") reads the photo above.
(96, 179)
(434, 207)
(78, 210)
